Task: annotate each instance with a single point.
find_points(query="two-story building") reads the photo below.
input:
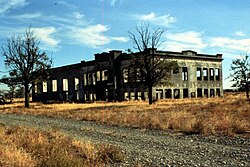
(106, 78)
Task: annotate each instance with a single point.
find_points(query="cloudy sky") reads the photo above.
(74, 30)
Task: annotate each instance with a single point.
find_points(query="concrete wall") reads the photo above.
(114, 87)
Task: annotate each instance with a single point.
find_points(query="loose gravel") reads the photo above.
(147, 147)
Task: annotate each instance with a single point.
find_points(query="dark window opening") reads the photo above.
(205, 92)
(185, 93)
(211, 92)
(104, 75)
(211, 71)
(184, 74)
(198, 74)
(176, 93)
(217, 92)
(217, 74)
(159, 94)
(168, 93)
(89, 79)
(205, 76)
(199, 92)
(125, 75)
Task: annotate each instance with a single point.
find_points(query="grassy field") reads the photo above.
(228, 115)
(24, 147)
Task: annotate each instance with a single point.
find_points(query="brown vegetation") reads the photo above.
(218, 116)
(28, 147)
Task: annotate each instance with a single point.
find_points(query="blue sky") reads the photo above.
(74, 30)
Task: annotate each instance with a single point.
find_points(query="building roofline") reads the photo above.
(186, 54)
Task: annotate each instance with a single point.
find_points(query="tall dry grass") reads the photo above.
(22, 147)
(228, 115)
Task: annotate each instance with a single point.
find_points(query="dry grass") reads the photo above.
(23, 147)
(219, 116)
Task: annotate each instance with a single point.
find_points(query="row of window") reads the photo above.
(92, 78)
(136, 74)
(88, 79)
(175, 93)
(65, 85)
(213, 74)
(135, 96)
(208, 73)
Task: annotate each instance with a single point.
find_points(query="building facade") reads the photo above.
(107, 78)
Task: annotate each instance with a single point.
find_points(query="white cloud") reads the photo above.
(11, 4)
(78, 15)
(45, 34)
(93, 36)
(189, 40)
(28, 16)
(112, 2)
(229, 43)
(66, 4)
(162, 20)
(120, 39)
(240, 33)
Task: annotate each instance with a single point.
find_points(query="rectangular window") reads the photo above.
(205, 75)
(94, 78)
(217, 74)
(185, 93)
(105, 75)
(139, 96)
(211, 92)
(44, 86)
(106, 94)
(35, 88)
(90, 97)
(67, 96)
(125, 75)
(126, 96)
(76, 83)
(138, 75)
(65, 85)
(77, 95)
(176, 93)
(168, 93)
(85, 79)
(89, 78)
(217, 92)
(205, 92)
(211, 71)
(159, 94)
(199, 92)
(98, 76)
(145, 95)
(54, 85)
(132, 95)
(184, 74)
(198, 74)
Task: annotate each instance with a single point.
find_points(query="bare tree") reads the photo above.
(25, 61)
(241, 73)
(154, 69)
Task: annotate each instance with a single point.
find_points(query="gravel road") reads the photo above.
(148, 147)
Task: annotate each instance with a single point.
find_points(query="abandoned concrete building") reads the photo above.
(106, 78)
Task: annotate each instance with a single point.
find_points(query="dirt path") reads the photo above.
(148, 147)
